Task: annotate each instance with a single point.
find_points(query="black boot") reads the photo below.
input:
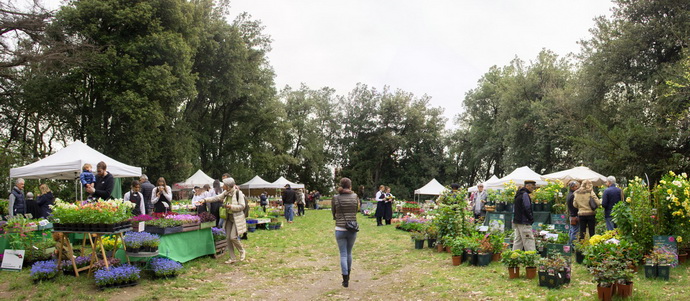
(346, 280)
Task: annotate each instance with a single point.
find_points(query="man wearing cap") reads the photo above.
(523, 218)
(289, 197)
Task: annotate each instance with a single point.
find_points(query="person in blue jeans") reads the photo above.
(289, 198)
(612, 195)
(344, 210)
(572, 210)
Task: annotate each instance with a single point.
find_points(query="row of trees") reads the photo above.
(171, 85)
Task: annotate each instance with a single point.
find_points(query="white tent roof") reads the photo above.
(282, 181)
(579, 173)
(199, 178)
(67, 163)
(431, 188)
(519, 176)
(256, 183)
(493, 178)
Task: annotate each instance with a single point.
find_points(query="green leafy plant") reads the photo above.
(512, 258)
(530, 258)
(635, 216)
(417, 235)
(457, 245)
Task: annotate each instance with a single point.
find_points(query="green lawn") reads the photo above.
(300, 262)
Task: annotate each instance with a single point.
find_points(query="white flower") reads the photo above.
(43, 223)
(678, 183)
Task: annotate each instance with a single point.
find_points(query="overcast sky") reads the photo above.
(438, 48)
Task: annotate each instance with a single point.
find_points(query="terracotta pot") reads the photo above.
(439, 248)
(513, 272)
(604, 292)
(496, 257)
(530, 272)
(682, 258)
(457, 259)
(624, 290)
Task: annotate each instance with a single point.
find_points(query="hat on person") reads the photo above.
(530, 182)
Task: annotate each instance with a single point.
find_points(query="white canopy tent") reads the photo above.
(519, 176)
(579, 173)
(255, 183)
(67, 163)
(431, 188)
(493, 178)
(199, 178)
(282, 181)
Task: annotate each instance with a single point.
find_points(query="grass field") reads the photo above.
(300, 262)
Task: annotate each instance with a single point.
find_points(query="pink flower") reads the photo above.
(671, 239)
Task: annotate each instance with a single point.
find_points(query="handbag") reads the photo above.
(223, 212)
(593, 204)
(573, 220)
(350, 226)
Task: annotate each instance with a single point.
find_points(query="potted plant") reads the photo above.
(530, 260)
(471, 247)
(605, 274)
(512, 259)
(43, 270)
(457, 247)
(624, 283)
(650, 267)
(207, 220)
(418, 238)
(165, 268)
(484, 251)
(120, 276)
(497, 245)
(580, 246)
(431, 234)
(666, 259)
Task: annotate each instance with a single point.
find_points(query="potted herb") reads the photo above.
(418, 238)
(512, 259)
(207, 220)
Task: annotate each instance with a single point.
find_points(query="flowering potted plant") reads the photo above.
(44, 270)
(165, 268)
(120, 276)
(605, 275)
(484, 251)
(512, 259)
(553, 271)
(219, 238)
(80, 262)
(530, 260)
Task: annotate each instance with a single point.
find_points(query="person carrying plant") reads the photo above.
(523, 218)
(232, 200)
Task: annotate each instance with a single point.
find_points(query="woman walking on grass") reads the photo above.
(344, 210)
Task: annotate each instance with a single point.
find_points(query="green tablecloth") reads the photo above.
(184, 246)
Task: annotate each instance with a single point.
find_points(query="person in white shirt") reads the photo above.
(199, 195)
(135, 196)
(161, 197)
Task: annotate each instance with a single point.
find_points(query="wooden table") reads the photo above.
(96, 241)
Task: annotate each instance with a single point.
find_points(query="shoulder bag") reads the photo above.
(350, 226)
(223, 212)
(593, 203)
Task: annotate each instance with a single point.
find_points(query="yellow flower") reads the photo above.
(684, 175)
(672, 173)
(679, 239)
(628, 199)
(669, 191)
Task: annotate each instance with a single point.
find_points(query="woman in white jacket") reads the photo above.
(235, 224)
(161, 196)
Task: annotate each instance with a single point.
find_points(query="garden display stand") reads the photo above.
(221, 246)
(96, 241)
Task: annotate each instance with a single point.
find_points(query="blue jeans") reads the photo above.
(574, 229)
(289, 214)
(610, 225)
(345, 240)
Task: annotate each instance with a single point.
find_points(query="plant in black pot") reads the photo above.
(419, 238)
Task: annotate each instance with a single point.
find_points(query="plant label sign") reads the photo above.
(564, 250)
(142, 226)
(13, 260)
(667, 244)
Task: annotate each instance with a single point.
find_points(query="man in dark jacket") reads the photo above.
(104, 183)
(523, 218)
(146, 189)
(289, 197)
(572, 211)
(611, 197)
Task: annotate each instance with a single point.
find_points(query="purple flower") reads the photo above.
(117, 275)
(42, 270)
(165, 267)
